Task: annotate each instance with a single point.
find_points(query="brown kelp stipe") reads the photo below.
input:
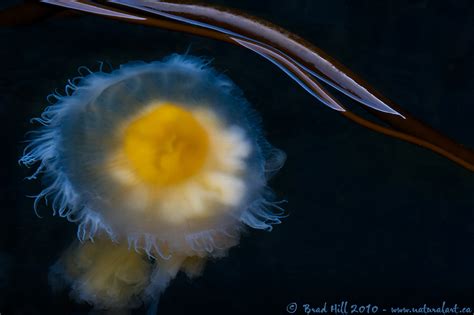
(299, 59)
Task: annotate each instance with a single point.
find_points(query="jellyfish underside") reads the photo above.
(162, 165)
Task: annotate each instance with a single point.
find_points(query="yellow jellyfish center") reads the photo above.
(166, 145)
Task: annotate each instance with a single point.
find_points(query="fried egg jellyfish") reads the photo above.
(162, 165)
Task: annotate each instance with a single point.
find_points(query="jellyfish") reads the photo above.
(162, 165)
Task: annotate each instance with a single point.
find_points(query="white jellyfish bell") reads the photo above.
(161, 165)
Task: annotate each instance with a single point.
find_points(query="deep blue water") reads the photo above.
(371, 219)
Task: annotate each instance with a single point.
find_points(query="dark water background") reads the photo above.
(372, 219)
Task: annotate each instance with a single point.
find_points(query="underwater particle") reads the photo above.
(161, 165)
